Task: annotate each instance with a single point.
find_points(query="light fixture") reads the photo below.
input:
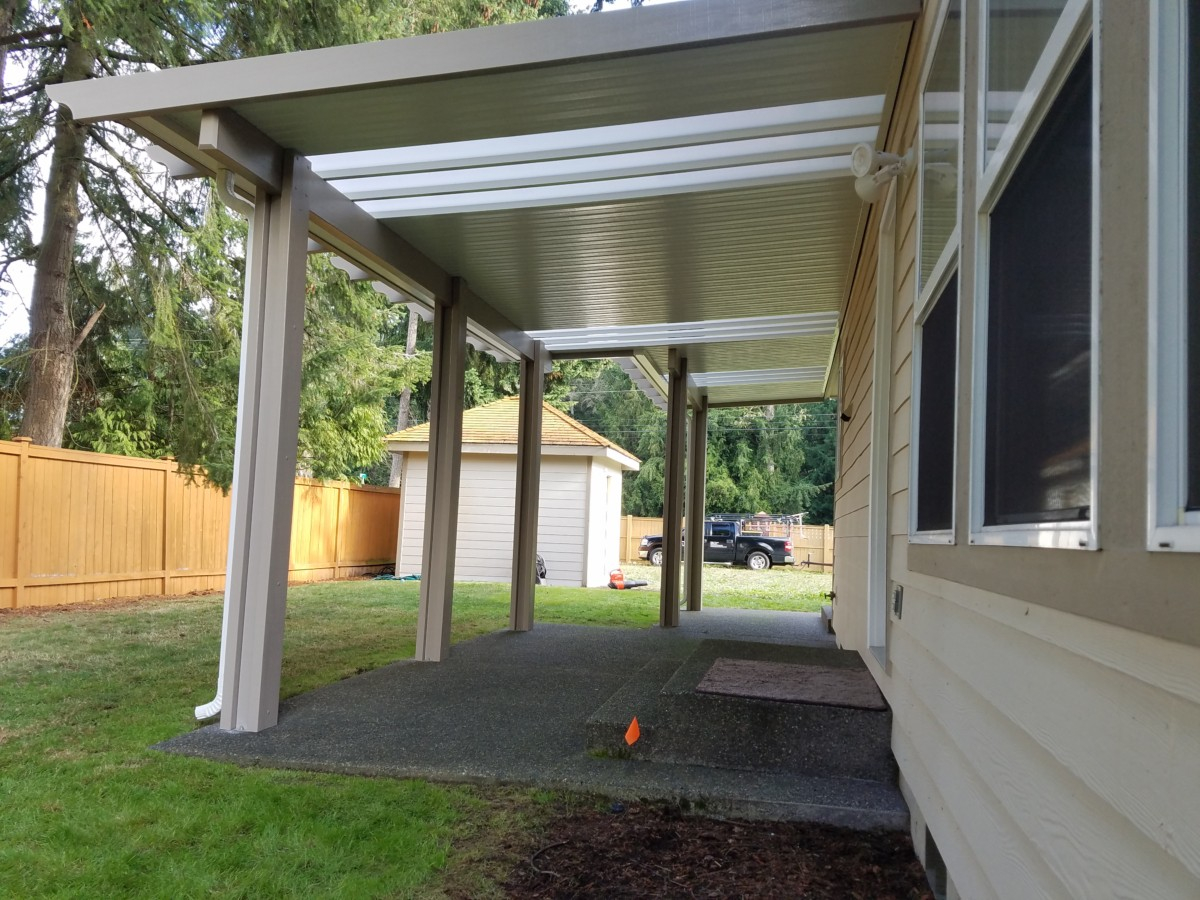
(873, 169)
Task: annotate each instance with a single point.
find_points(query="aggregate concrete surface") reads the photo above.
(512, 708)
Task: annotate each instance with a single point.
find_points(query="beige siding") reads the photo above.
(485, 517)
(1051, 754)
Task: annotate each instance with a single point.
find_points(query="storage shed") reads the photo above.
(579, 512)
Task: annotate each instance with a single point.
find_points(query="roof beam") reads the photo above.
(241, 148)
(746, 404)
(548, 42)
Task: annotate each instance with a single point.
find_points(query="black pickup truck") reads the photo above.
(725, 543)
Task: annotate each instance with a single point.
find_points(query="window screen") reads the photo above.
(935, 426)
(1193, 254)
(1038, 456)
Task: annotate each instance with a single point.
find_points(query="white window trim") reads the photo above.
(950, 250)
(939, 536)
(1169, 526)
(1077, 26)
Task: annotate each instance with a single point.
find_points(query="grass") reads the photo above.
(90, 811)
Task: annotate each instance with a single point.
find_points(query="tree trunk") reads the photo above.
(404, 410)
(51, 370)
(8, 12)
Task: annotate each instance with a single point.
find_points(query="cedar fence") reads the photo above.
(76, 527)
(812, 544)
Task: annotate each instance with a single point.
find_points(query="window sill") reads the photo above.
(1175, 539)
(1053, 535)
(931, 537)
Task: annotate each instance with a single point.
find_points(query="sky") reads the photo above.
(14, 300)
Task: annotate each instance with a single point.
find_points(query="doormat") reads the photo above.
(792, 683)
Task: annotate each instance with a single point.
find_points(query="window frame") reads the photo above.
(1076, 27)
(1170, 527)
(946, 535)
(927, 293)
(948, 257)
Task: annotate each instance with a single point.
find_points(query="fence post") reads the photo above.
(23, 546)
(338, 531)
(827, 544)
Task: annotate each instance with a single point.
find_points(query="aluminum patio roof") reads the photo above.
(669, 176)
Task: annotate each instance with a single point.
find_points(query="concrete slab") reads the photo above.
(511, 708)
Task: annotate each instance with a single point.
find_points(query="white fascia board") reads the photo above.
(614, 165)
(759, 376)
(684, 333)
(817, 117)
(546, 43)
(612, 190)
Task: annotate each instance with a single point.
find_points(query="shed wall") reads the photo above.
(1046, 706)
(485, 517)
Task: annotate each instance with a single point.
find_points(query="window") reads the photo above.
(936, 397)
(1033, 478)
(1174, 497)
(1038, 438)
(935, 341)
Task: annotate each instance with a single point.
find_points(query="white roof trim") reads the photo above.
(611, 190)
(682, 333)
(818, 116)
(758, 376)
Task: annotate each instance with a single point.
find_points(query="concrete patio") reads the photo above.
(518, 708)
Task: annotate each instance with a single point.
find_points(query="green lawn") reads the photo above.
(89, 810)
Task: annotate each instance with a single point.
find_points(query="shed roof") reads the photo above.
(496, 423)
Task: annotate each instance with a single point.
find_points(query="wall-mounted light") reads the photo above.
(873, 169)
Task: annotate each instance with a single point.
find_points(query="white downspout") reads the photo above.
(226, 191)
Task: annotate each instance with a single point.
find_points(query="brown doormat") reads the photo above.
(792, 683)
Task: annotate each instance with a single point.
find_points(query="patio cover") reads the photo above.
(616, 184)
(669, 186)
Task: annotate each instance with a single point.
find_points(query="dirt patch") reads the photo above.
(644, 851)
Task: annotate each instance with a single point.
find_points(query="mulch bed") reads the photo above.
(644, 851)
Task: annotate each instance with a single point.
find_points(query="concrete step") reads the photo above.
(827, 617)
(680, 726)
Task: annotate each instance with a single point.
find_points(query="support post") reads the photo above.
(696, 473)
(265, 456)
(445, 465)
(529, 475)
(668, 614)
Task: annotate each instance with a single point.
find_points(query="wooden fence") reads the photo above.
(77, 526)
(812, 544)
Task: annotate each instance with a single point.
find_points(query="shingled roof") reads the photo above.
(496, 423)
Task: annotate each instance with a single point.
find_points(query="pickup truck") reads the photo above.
(725, 543)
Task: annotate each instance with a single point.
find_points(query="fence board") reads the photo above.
(812, 544)
(78, 527)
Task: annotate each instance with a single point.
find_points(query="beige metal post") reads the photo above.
(668, 613)
(693, 566)
(445, 464)
(265, 460)
(529, 475)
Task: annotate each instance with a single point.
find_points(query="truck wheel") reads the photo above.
(758, 561)
(656, 556)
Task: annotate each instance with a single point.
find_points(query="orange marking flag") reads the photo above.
(633, 732)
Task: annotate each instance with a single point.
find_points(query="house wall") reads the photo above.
(1046, 703)
(487, 495)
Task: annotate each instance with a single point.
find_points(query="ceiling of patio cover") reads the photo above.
(674, 175)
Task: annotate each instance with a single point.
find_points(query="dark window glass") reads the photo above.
(722, 530)
(1038, 457)
(935, 428)
(1193, 252)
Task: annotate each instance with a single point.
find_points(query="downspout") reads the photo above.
(226, 190)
